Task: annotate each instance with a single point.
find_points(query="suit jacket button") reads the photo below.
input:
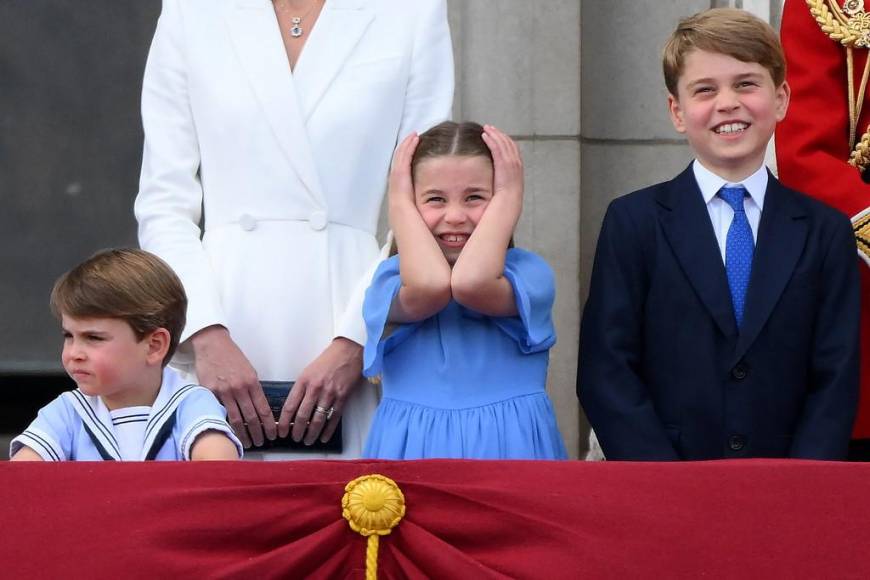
(736, 442)
(247, 222)
(317, 220)
(739, 371)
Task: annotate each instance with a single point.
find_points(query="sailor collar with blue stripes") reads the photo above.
(97, 419)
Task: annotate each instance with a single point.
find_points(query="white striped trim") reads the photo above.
(208, 424)
(41, 444)
(159, 417)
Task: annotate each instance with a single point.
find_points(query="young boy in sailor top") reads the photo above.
(122, 312)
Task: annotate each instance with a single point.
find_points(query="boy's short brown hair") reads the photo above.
(128, 284)
(728, 31)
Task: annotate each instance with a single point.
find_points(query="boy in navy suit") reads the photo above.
(723, 313)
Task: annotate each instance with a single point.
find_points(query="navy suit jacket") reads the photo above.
(663, 371)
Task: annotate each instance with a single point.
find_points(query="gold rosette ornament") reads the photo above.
(373, 505)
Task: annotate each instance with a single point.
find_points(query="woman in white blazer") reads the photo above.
(268, 138)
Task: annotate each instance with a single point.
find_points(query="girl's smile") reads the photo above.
(452, 192)
(451, 239)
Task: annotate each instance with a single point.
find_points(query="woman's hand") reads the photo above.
(225, 370)
(401, 185)
(317, 400)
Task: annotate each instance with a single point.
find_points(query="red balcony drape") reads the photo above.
(465, 519)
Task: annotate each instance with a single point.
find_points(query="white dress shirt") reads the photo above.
(720, 212)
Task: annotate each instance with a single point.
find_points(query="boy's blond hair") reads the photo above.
(728, 31)
(127, 284)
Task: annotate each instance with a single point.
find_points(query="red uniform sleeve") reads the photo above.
(812, 143)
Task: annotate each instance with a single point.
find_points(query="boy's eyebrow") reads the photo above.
(85, 331)
(711, 80)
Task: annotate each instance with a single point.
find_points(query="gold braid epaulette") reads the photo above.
(861, 226)
(860, 157)
(850, 25)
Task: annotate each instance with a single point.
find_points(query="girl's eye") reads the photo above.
(435, 199)
(474, 197)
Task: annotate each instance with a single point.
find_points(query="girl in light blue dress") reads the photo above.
(459, 321)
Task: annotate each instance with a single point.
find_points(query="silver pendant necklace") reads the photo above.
(296, 30)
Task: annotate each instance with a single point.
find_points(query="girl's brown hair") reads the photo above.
(451, 138)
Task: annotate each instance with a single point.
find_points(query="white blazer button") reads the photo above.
(247, 222)
(317, 220)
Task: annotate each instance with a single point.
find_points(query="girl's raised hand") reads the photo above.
(507, 163)
(401, 186)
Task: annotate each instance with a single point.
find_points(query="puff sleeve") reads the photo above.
(534, 288)
(379, 297)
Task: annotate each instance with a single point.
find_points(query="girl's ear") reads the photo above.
(157, 344)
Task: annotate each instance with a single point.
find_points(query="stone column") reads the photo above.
(518, 68)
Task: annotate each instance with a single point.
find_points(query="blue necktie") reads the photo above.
(739, 248)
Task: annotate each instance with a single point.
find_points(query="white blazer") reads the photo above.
(262, 187)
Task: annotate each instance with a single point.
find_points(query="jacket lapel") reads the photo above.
(687, 227)
(257, 41)
(338, 30)
(781, 238)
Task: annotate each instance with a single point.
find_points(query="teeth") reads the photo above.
(731, 128)
(453, 237)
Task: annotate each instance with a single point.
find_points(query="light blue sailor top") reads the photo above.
(78, 427)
